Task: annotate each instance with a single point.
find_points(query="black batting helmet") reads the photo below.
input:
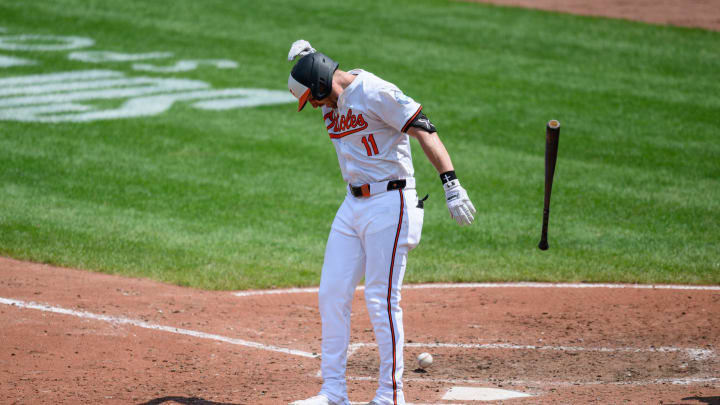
(312, 74)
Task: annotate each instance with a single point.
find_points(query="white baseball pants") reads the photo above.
(370, 237)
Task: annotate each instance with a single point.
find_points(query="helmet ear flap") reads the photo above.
(322, 88)
(323, 70)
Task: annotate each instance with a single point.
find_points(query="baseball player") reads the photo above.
(368, 120)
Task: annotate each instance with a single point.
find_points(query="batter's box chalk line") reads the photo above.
(699, 353)
(455, 393)
(473, 394)
(536, 383)
(696, 354)
(147, 325)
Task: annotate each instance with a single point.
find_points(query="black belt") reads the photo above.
(364, 190)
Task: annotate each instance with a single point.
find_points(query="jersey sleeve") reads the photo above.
(394, 108)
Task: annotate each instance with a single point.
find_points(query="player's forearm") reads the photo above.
(433, 148)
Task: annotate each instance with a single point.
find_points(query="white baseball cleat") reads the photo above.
(316, 400)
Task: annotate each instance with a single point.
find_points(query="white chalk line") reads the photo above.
(693, 353)
(356, 346)
(534, 387)
(537, 384)
(696, 354)
(147, 325)
(249, 293)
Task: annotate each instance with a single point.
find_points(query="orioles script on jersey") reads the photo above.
(342, 125)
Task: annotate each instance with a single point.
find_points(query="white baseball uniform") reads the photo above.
(371, 234)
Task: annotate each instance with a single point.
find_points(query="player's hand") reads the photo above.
(458, 203)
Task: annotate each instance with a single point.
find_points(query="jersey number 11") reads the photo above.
(374, 150)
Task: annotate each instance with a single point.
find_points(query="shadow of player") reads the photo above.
(704, 400)
(184, 401)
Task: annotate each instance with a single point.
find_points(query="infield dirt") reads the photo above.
(686, 13)
(561, 345)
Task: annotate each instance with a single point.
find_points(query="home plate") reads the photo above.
(480, 394)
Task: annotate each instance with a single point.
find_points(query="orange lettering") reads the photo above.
(348, 122)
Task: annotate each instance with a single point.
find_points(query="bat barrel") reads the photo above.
(552, 136)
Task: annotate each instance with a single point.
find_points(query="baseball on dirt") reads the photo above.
(425, 360)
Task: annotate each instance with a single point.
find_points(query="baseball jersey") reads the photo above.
(368, 130)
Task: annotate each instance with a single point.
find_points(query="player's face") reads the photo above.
(328, 101)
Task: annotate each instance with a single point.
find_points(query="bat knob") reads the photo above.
(543, 245)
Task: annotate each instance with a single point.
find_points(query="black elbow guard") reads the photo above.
(423, 122)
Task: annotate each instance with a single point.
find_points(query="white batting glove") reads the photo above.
(458, 203)
(300, 48)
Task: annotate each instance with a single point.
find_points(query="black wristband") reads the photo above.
(448, 176)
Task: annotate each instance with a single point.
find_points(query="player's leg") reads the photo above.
(393, 231)
(342, 271)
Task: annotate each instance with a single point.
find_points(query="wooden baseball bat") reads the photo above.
(552, 137)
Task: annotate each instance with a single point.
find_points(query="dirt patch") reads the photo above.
(687, 13)
(560, 345)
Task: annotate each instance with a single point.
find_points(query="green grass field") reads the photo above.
(244, 197)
